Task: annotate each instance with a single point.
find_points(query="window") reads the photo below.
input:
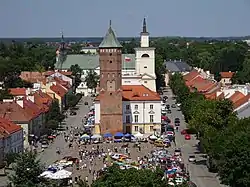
(151, 118)
(110, 61)
(110, 54)
(145, 82)
(113, 75)
(136, 118)
(151, 107)
(136, 107)
(151, 128)
(110, 93)
(145, 55)
(136, 129)
(145, 67)
(127, 107)
(127, 119)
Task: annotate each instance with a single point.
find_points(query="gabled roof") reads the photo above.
(226, 74)
(31, 108)
(221, 96)
(64, 83)
(13, 112)
(136, 93)
(241, 101)
(191, 75)
(66, 73)
(17, 91)
(110, 40)
(59, 89)
(42, 100)
(236, 96)
(7, 127)
(32, 76)
(211, 95)
(177, 66)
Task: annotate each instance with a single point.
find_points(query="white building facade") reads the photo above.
(141, 110)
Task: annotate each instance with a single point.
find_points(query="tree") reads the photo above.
(71, 100)
(77, 72)
(54, 112)
(91, 79)
(130, 177)
(26, 171)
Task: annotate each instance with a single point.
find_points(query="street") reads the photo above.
(49, 155)
(198, 171)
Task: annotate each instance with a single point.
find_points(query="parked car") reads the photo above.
(86, 103)
(167, 106)
(73, 113)
(44, 144)
(187, 137)
(169, 111)
(173, 106)
(177, 152)
(165, 97)
(192, 158)
(177, 120)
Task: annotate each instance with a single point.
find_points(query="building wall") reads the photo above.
(226, 81)
(110, 90)
(89, 50)
(145, 64)
(1, 152)
(53, 95)
(142, 111)
(63, 77)
(14, 143)
(149, 83)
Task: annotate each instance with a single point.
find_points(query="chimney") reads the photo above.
(27, 91)
(20, 102)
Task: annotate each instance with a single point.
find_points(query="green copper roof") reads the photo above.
(110, 40)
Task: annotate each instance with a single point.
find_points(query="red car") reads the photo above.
(187, 137)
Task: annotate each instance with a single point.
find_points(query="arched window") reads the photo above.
(145, 55)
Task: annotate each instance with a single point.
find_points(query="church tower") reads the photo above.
(145, 60)
(110, 57)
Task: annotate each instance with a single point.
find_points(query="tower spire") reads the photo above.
(144, 27)
(110, 24)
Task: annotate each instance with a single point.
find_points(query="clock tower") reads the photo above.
(110, 58)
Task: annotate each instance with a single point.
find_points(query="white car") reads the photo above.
(178, 104)
(192, 158)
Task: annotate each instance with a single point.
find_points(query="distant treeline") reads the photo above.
(122, 39)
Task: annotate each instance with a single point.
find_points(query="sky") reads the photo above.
(90, 18)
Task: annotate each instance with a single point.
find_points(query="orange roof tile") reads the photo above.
(31, 108)
(7, 127)
(195, 80)
(226, 74)
(17, 91)
(64, 83)
(191, 75)
(204, 85)
(59, 89)
(221, 96)
(210, 95)
(136, 93)
(66, 73)
(32, 76)
(42, 100)
(13, 112)
(241, 101)
(236, 96)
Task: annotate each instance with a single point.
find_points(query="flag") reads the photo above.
(127, 59)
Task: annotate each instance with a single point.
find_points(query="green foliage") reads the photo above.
(26, 171)
(77, 72)
(16, 57)
(4, 94)
(72, 99)
(116, 177)
(54, 116)
(10, 158)
(224, 137)
(91, 79)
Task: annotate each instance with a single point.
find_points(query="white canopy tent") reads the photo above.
(153, 137)
(138, 135)
(96, 136)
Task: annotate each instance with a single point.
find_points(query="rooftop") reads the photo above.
(13, 112)
(110, 40)
(17, 91)
(7, 127)
(191, 75)
(226, 74)
(137, 93)
(59, 89)
(177, 66)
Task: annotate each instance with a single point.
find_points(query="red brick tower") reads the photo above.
(110, 51)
